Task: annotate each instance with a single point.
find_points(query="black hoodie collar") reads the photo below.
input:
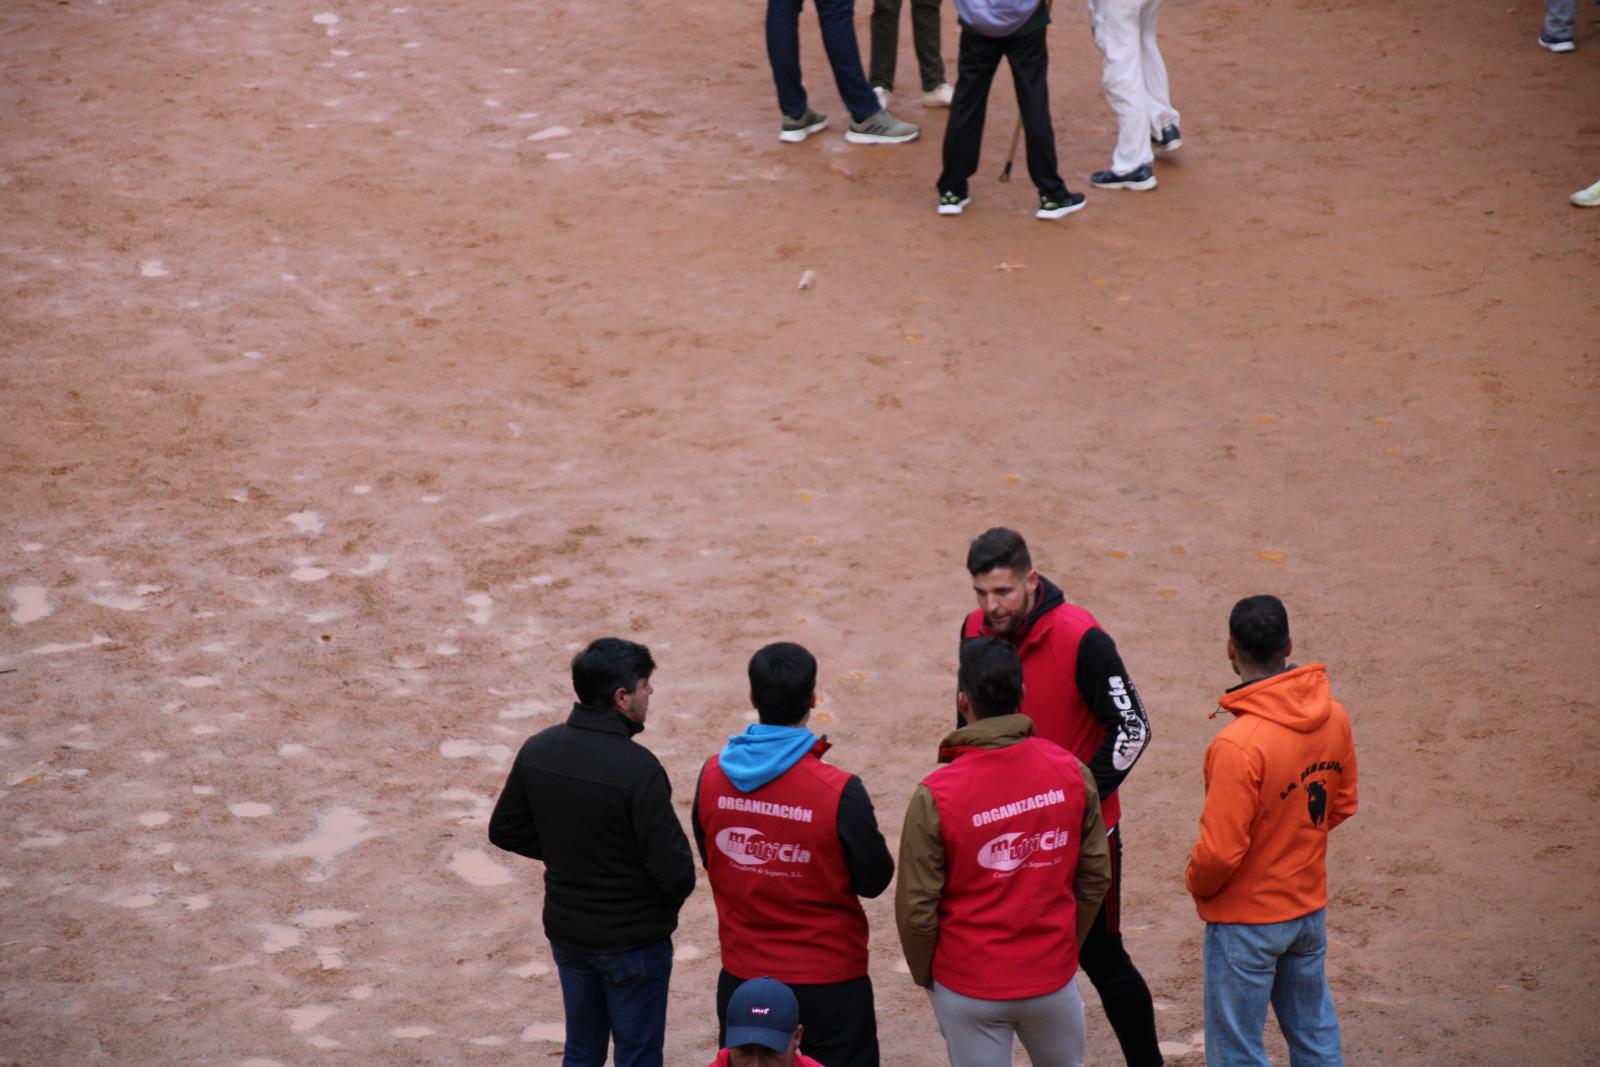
(605, 720)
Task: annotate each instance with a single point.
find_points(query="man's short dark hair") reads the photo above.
(998, 547)
(1259, 626)
(607, 665)
(991, 676)
(783, 676)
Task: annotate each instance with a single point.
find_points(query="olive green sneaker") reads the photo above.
(800, 127)
(881, 128)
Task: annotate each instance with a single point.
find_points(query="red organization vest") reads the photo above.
(1050, 695)
(1010, 819)
(778, 874)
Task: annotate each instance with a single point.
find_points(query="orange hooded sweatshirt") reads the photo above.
(1278, 778)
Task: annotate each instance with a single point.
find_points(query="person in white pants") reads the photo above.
(1135, 82)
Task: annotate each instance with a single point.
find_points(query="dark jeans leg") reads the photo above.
(622, 997)
(636, 999)
(583, 999)
(1030, 73)
(925, 38)
(885, 40)
(783, 52)
(976, 63)
(1122, 988)
(840, 1020)
(844, 56)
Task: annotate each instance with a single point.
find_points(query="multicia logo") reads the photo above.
(1010, 851)
(741, 844)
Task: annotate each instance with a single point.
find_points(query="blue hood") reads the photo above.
(762, 753)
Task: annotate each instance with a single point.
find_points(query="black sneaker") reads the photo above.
(1555, 44)
(953, 203)
(1053, 208)
(1140, 179)
(1169, 141)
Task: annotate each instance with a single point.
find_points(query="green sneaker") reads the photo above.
(1051, 208)
(953, 203)
(800, 127)
(882, 128)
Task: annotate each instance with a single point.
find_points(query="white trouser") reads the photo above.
(979, 1033)
(1135, 78)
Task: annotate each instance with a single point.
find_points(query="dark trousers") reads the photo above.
(963, 136)
(841, 1024)
(620, 999)
(1122, 989)
(924, 38)
(838, 40)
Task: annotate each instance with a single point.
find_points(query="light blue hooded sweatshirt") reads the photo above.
(762, 753)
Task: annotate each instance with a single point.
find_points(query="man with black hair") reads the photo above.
(1003, 863)
(789, 844)
(1078, 695)
(1279, 777)
(596, 808)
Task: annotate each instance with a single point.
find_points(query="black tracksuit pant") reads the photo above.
(1122, 989)
(963, 136)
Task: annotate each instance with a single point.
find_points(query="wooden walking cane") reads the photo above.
(1016, 133)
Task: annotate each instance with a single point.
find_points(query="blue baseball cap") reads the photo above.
(763, 1012)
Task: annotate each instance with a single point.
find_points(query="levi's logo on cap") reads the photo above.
(760, 1011)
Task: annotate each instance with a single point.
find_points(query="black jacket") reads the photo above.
(597, 809)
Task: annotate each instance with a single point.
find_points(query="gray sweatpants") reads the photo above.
(1558, 18)
(978, 1033)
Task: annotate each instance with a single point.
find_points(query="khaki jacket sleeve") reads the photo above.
(920, 886)
(1093, 878)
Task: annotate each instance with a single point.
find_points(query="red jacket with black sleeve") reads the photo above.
(1076, 690)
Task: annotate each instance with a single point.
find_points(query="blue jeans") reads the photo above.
(622, 996)
(1248, 966)
(838, 40)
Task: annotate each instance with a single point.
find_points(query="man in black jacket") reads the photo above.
(597, 810)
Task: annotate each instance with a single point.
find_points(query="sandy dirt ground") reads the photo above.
(360, 361)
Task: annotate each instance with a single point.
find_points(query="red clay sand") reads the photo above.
(358, 370)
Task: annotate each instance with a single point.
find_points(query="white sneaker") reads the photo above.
(939, 96)
(1589, 197)
(885, 97)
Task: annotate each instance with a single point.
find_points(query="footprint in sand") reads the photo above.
(474, 866)
(33, 603)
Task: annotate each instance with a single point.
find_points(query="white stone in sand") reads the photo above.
(292, 748)
(410, 1032)
(549, 133)
(474, 865)
(305, 522)
(338, 831)
(153, 268)
(155, 818)
(33, 546)
(531, 969)
(490, 1040)
(545, 1032)
(308, 574)
(687, 952)
(525, 709)
(361, 490)
(279, 938)
(482, 605)
(325, 18)
(196, 902)
(197, 681)
(445, 650)
(324, 918)
(33, 603)
(309, 1017)
(250, 809)
(203, 790)
(322, 1041)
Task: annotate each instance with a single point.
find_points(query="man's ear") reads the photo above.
(964, 708)
(812, 704)
(620, 698)
(1288, 649)
(794, 1042)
